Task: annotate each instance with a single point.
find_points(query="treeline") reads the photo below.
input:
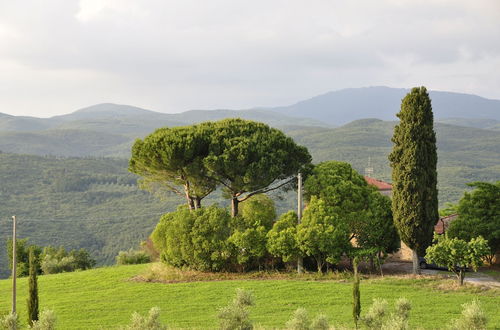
(50, 259)
(344, 217)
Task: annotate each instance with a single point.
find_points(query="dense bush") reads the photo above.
(22, 255)
(198, 239)
(132, 257)
(58, 260)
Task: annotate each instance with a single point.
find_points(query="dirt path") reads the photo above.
(477, 278)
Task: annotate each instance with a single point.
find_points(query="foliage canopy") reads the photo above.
(457, 255)
(479, 215)
(243, 157)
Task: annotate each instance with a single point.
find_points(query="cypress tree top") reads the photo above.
(414, 176)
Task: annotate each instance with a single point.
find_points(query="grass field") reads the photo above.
(104, 298)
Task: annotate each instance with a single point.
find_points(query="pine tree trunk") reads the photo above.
(189, 199)
(234, 206)
(416, 263)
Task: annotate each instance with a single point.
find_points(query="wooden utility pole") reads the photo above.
(14, 264)
(300, 261)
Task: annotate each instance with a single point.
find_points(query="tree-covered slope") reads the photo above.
(90, 203)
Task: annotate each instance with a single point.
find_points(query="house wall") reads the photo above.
(403, 254)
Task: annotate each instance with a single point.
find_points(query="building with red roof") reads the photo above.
(383, 187)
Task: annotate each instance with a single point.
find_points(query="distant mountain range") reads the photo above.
(109, 129)
(346, 105)
(330, 109)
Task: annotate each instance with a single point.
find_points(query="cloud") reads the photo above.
(58, 55)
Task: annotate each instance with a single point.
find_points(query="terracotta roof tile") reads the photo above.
(381, 185)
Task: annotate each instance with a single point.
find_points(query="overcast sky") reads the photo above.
(57, 56)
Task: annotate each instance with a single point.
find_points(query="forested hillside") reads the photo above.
(90, 203)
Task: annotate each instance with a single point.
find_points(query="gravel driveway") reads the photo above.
(478, 278)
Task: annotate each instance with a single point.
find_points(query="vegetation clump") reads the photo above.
(132, 257)
(10, 322)
(47, 321)
(300, 321)
(147, 322)
(236, 314)
(58, 260)
(378, 317)
(473, 317)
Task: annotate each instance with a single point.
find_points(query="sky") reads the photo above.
(57, 56)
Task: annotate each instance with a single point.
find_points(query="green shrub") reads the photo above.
(235, 315)
(46, 321)
(149, 322)
(473, 317)
(58, 260)
(53, 265)
(132, 257)
(197, 239)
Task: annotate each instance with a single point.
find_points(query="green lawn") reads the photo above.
(105, 297)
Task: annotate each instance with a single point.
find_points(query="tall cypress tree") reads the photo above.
(33, 289)
(414, 176)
